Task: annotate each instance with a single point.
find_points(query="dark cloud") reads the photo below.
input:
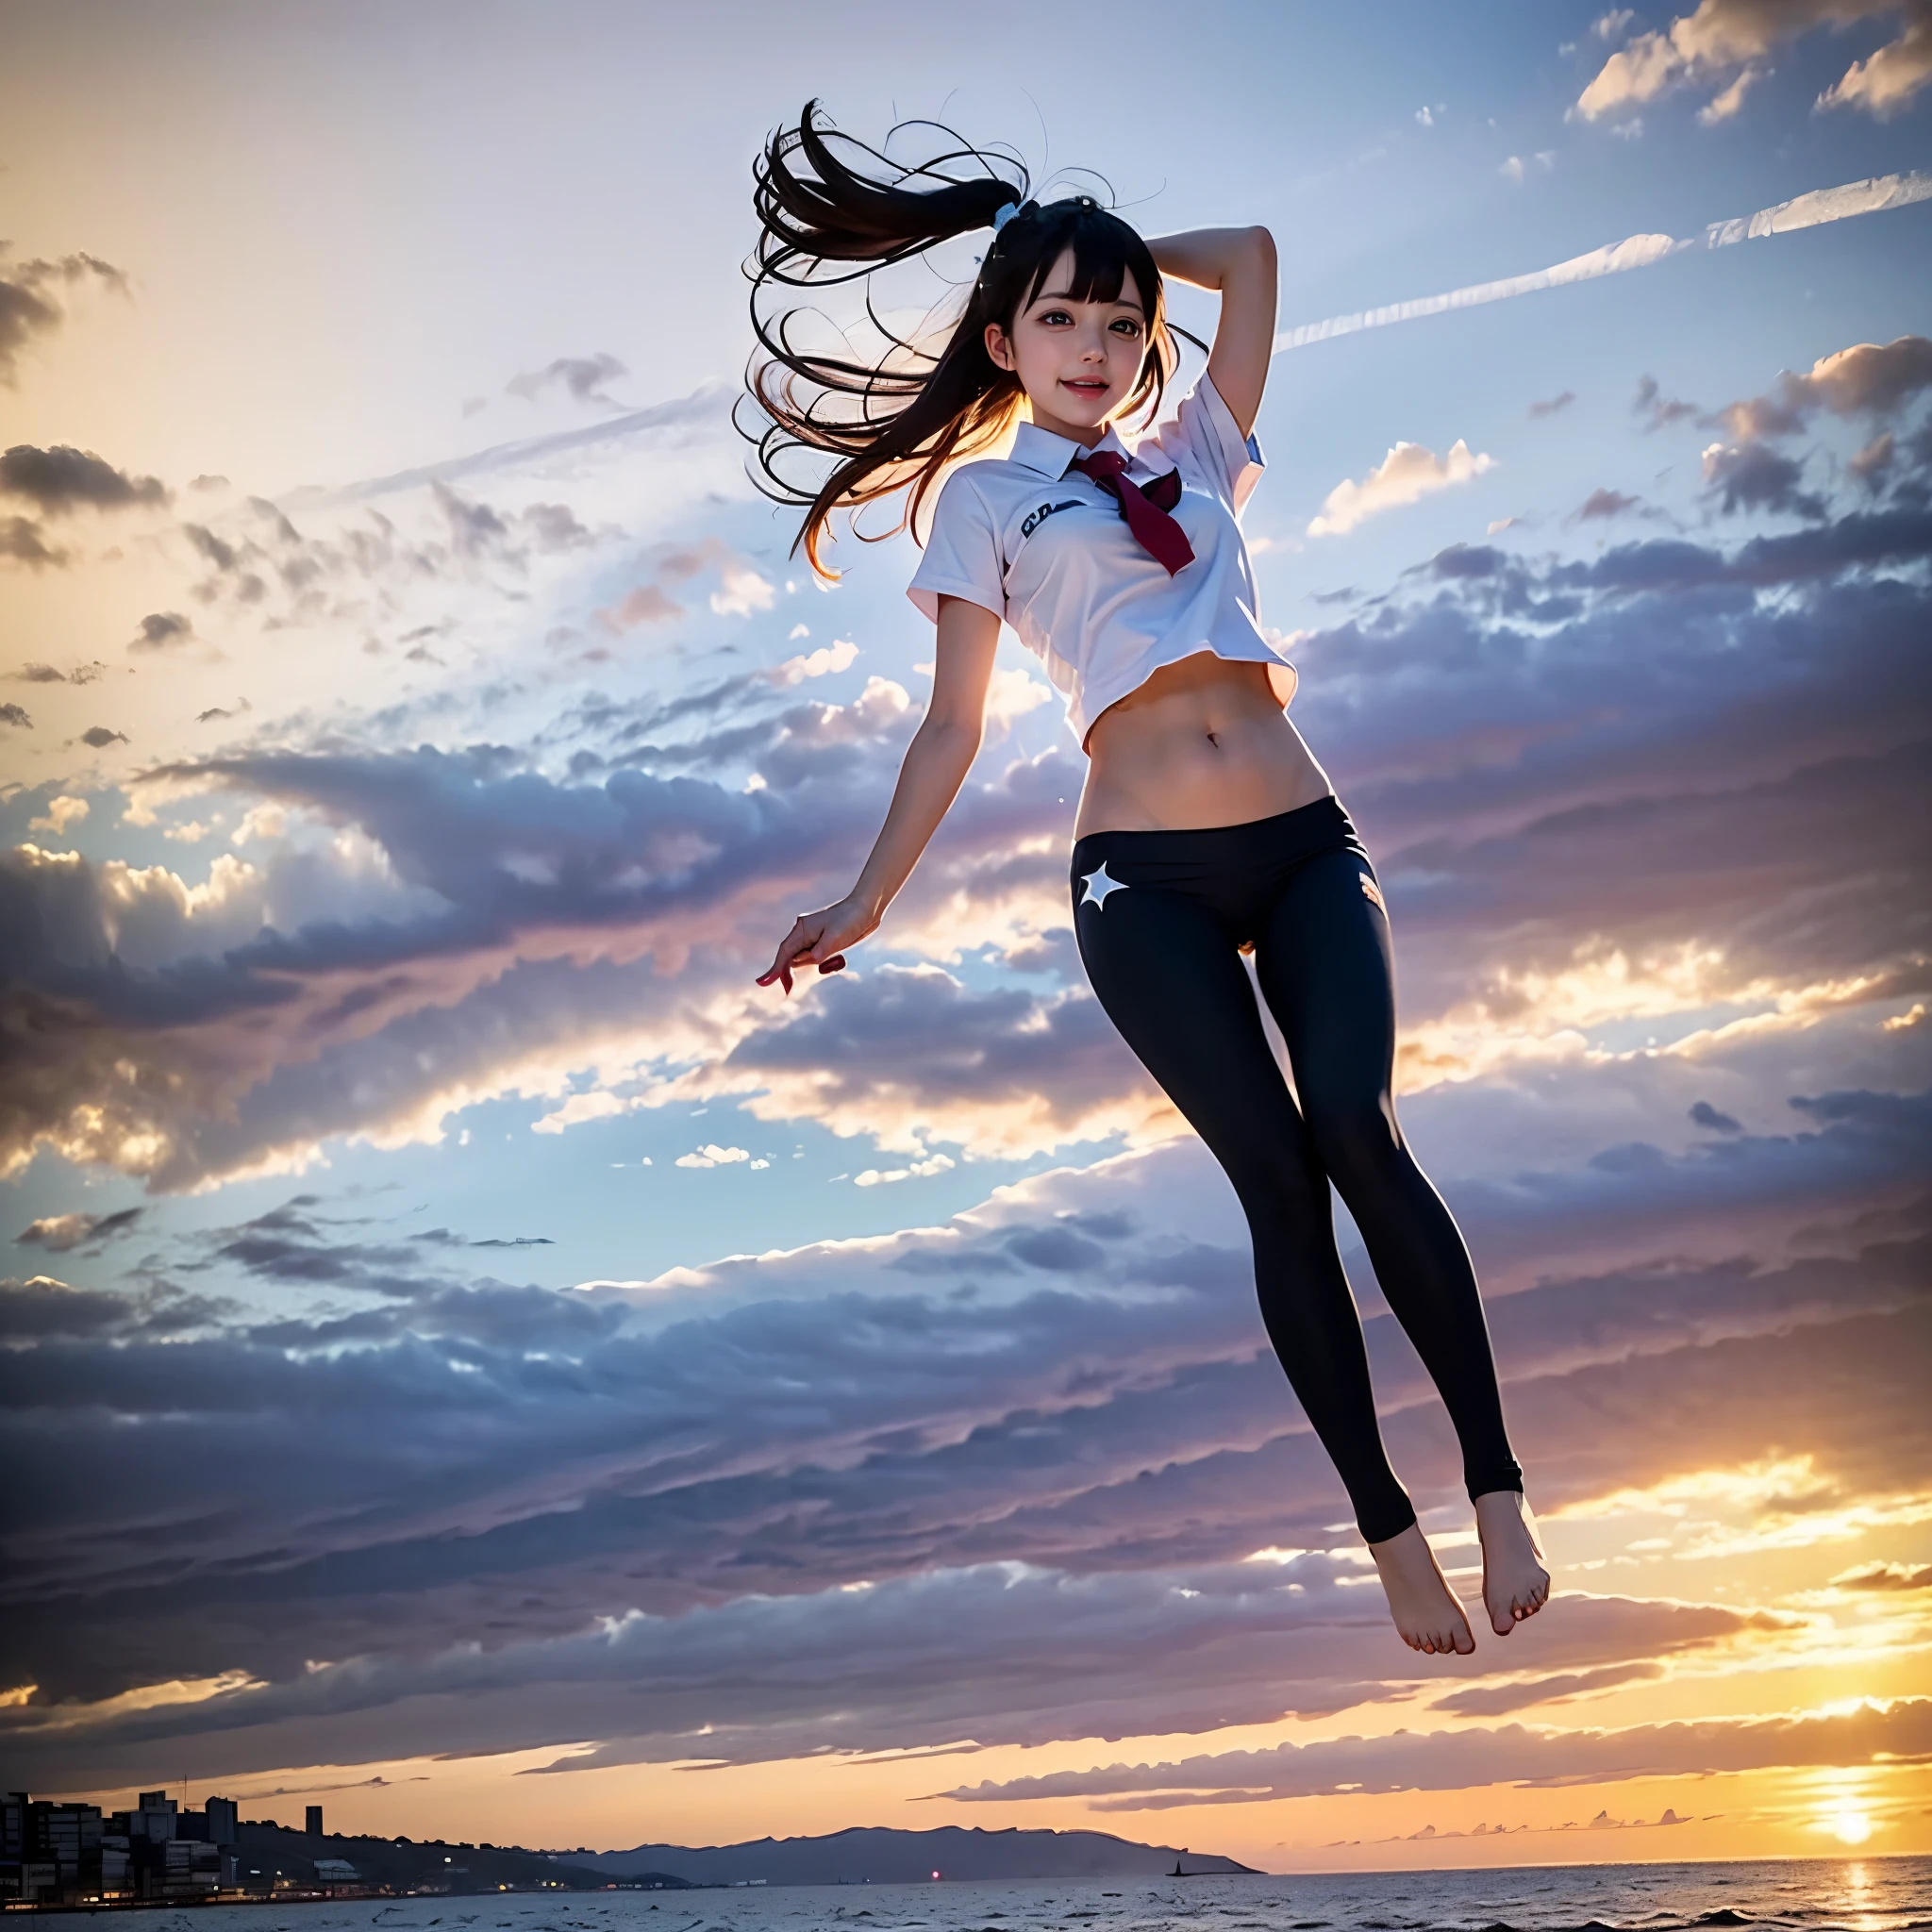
(1751, 476)
(30, 309)
(1494, 1700)
(99, 737)
(1462, 560)
(1445, 1761)
(22, 541)
(16, 715)
(159, 629)
(57, 1233)
(1605, 504)
(39, 674)
(355, 569)
(61, 479)
(914, 1042)
(1658, 410)
(583, 377)
(42, 1310)
(1554, 405)
(554, 527)
(1706, 1115)
(475, 529)
(224, 554)
(23, 314)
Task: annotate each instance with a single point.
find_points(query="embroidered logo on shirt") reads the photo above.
(1045, 511)
(1098, 885)
(1370, 891)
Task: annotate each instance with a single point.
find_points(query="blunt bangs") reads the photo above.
(1108, 254)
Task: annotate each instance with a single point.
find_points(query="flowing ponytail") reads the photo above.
(896, 422)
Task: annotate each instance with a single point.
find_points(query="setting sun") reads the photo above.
(1850, 1827)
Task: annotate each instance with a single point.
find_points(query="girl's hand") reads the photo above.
(820, 939)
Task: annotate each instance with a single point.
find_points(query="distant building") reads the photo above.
(70, 1836)
(50, 1853)
(177, 1869)
(12, 1843)
(224, 1817)
(313, 1826)
(156, 1819)
(332, 1872)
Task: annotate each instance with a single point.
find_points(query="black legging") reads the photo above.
(1160, 917)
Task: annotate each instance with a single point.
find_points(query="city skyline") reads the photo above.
(476, 1361)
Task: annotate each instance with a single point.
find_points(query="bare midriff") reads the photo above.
(1204, 741)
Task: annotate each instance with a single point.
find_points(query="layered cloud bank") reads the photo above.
(454, 925)
(1068, 1441)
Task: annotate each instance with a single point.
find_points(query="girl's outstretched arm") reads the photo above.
(935, 766)
(1239, 262)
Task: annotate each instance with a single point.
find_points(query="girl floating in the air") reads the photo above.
(1205, 829)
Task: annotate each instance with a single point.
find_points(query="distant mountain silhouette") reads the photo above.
(886, 1856)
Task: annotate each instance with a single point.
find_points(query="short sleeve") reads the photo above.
(1202, 440)
(963, 553)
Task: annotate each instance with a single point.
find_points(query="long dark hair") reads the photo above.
(832, 209)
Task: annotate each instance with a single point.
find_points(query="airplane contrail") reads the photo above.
(1868, 197)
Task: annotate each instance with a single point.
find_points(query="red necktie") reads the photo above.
(1146, 510)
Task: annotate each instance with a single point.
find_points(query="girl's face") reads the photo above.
(1077, 361)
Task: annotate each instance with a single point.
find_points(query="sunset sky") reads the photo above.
(474, 1360)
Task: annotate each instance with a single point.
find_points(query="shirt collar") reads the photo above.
(1041, 450)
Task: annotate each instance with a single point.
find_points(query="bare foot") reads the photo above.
(1420, 1599)
(1516, 1584)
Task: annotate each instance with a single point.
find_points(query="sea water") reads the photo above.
(1779, 1895)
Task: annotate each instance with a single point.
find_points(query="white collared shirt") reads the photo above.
(1048, 550)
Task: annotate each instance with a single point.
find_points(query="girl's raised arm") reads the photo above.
(1239, 262)
(936, 764)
